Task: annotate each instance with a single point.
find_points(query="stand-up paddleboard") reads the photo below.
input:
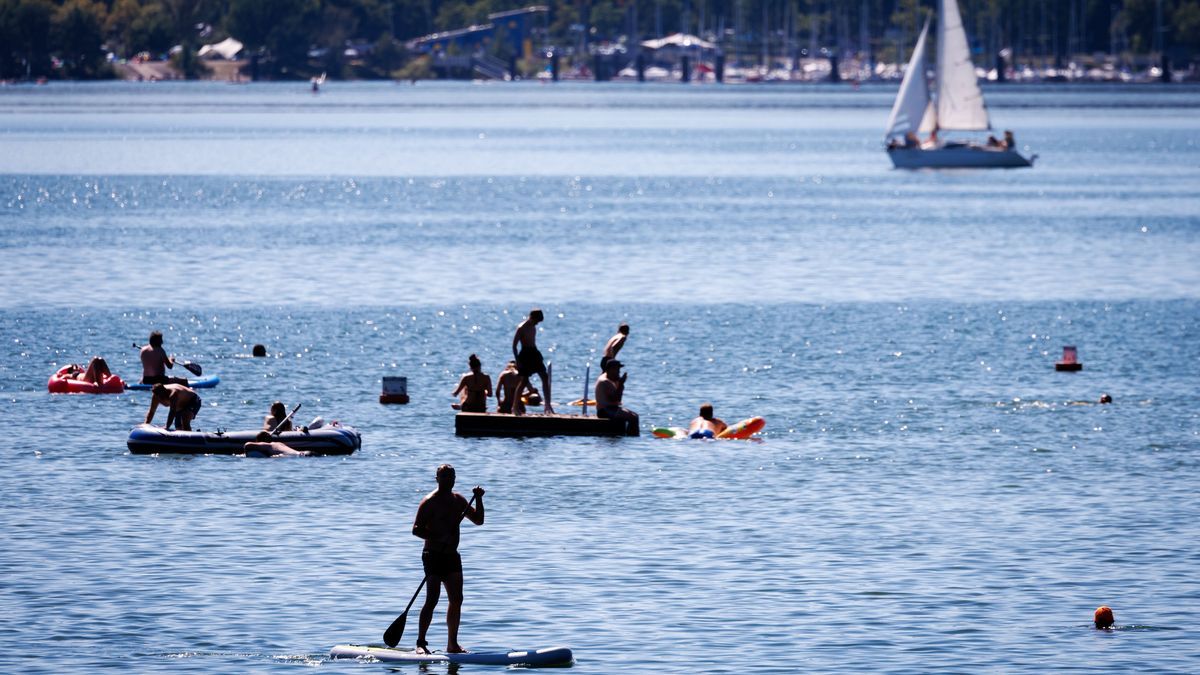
(198, 383)
(549, 656)
(740, 431)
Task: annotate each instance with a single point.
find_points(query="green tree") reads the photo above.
(25, 38)
(77, 32)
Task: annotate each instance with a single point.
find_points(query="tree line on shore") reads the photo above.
(81, 39)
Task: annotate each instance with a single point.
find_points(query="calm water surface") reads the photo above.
(928, 495)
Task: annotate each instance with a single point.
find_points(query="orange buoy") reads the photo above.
(1068, 362)
(1103, 617)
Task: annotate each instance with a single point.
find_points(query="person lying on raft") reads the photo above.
(706, 424)
(155, 362)
(474, 388)
(263, 446)
(96, 372)
(610, 387)
(181, 402)
(277, 418)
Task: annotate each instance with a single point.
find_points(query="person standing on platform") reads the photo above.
(614, 344)
(529, 359)
(437, 522)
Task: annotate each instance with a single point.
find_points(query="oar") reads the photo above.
(284, 420)
(391, 636)
(587, 376)
(193, 368)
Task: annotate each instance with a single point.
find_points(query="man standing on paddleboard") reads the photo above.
(437, 522)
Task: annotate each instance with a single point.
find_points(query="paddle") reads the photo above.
(391, 636)
(193, 368)
(284, 420)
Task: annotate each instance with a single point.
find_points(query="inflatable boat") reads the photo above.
(331, 439)
(61, 382)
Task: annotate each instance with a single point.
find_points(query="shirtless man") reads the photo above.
(614, 345)
(155, 362)
(437, 522)
(475, 387)
(610, 387)
(506, 390)
(529, 359)
(706, 425)
(263, 446)
(181, 402)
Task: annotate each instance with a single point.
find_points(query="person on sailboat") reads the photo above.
(1010, 143)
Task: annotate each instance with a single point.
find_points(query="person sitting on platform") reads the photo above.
(263, 446)
(475, 387)
(506, 390)
(610, 388)
(277, 418)
(706, 426)
(181, 402)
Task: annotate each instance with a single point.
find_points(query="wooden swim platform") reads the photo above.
(498, 424)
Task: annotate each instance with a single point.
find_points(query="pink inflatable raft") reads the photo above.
(62, 383)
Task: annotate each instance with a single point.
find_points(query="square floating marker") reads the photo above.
(395, 390)
(1069, 362)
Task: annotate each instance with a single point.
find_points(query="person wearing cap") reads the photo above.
(706, 425)
(614, 345)
(437, 522)
(610, 387)
(529, 359)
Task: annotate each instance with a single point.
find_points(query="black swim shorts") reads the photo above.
(441, 564)
(529, 361)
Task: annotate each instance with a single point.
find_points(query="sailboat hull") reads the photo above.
(958, 157)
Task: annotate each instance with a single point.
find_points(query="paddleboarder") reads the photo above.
(155, 362)
(437, 521)
(529, 359)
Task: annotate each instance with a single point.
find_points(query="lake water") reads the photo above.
(928, 494)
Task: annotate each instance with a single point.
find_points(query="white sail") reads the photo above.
(959, 100)
(913, 98)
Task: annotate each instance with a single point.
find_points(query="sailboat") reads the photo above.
(956, 104)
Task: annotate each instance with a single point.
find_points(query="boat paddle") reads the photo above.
(193, 368)
(284, 420)
(391, 636)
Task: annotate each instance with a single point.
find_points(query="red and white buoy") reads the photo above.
(1069, 361)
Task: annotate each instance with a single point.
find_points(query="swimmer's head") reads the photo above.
(1103, 617)
(706, 411)
(1105, 398)
(262, 437)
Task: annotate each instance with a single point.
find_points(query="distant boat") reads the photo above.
(956, 104)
